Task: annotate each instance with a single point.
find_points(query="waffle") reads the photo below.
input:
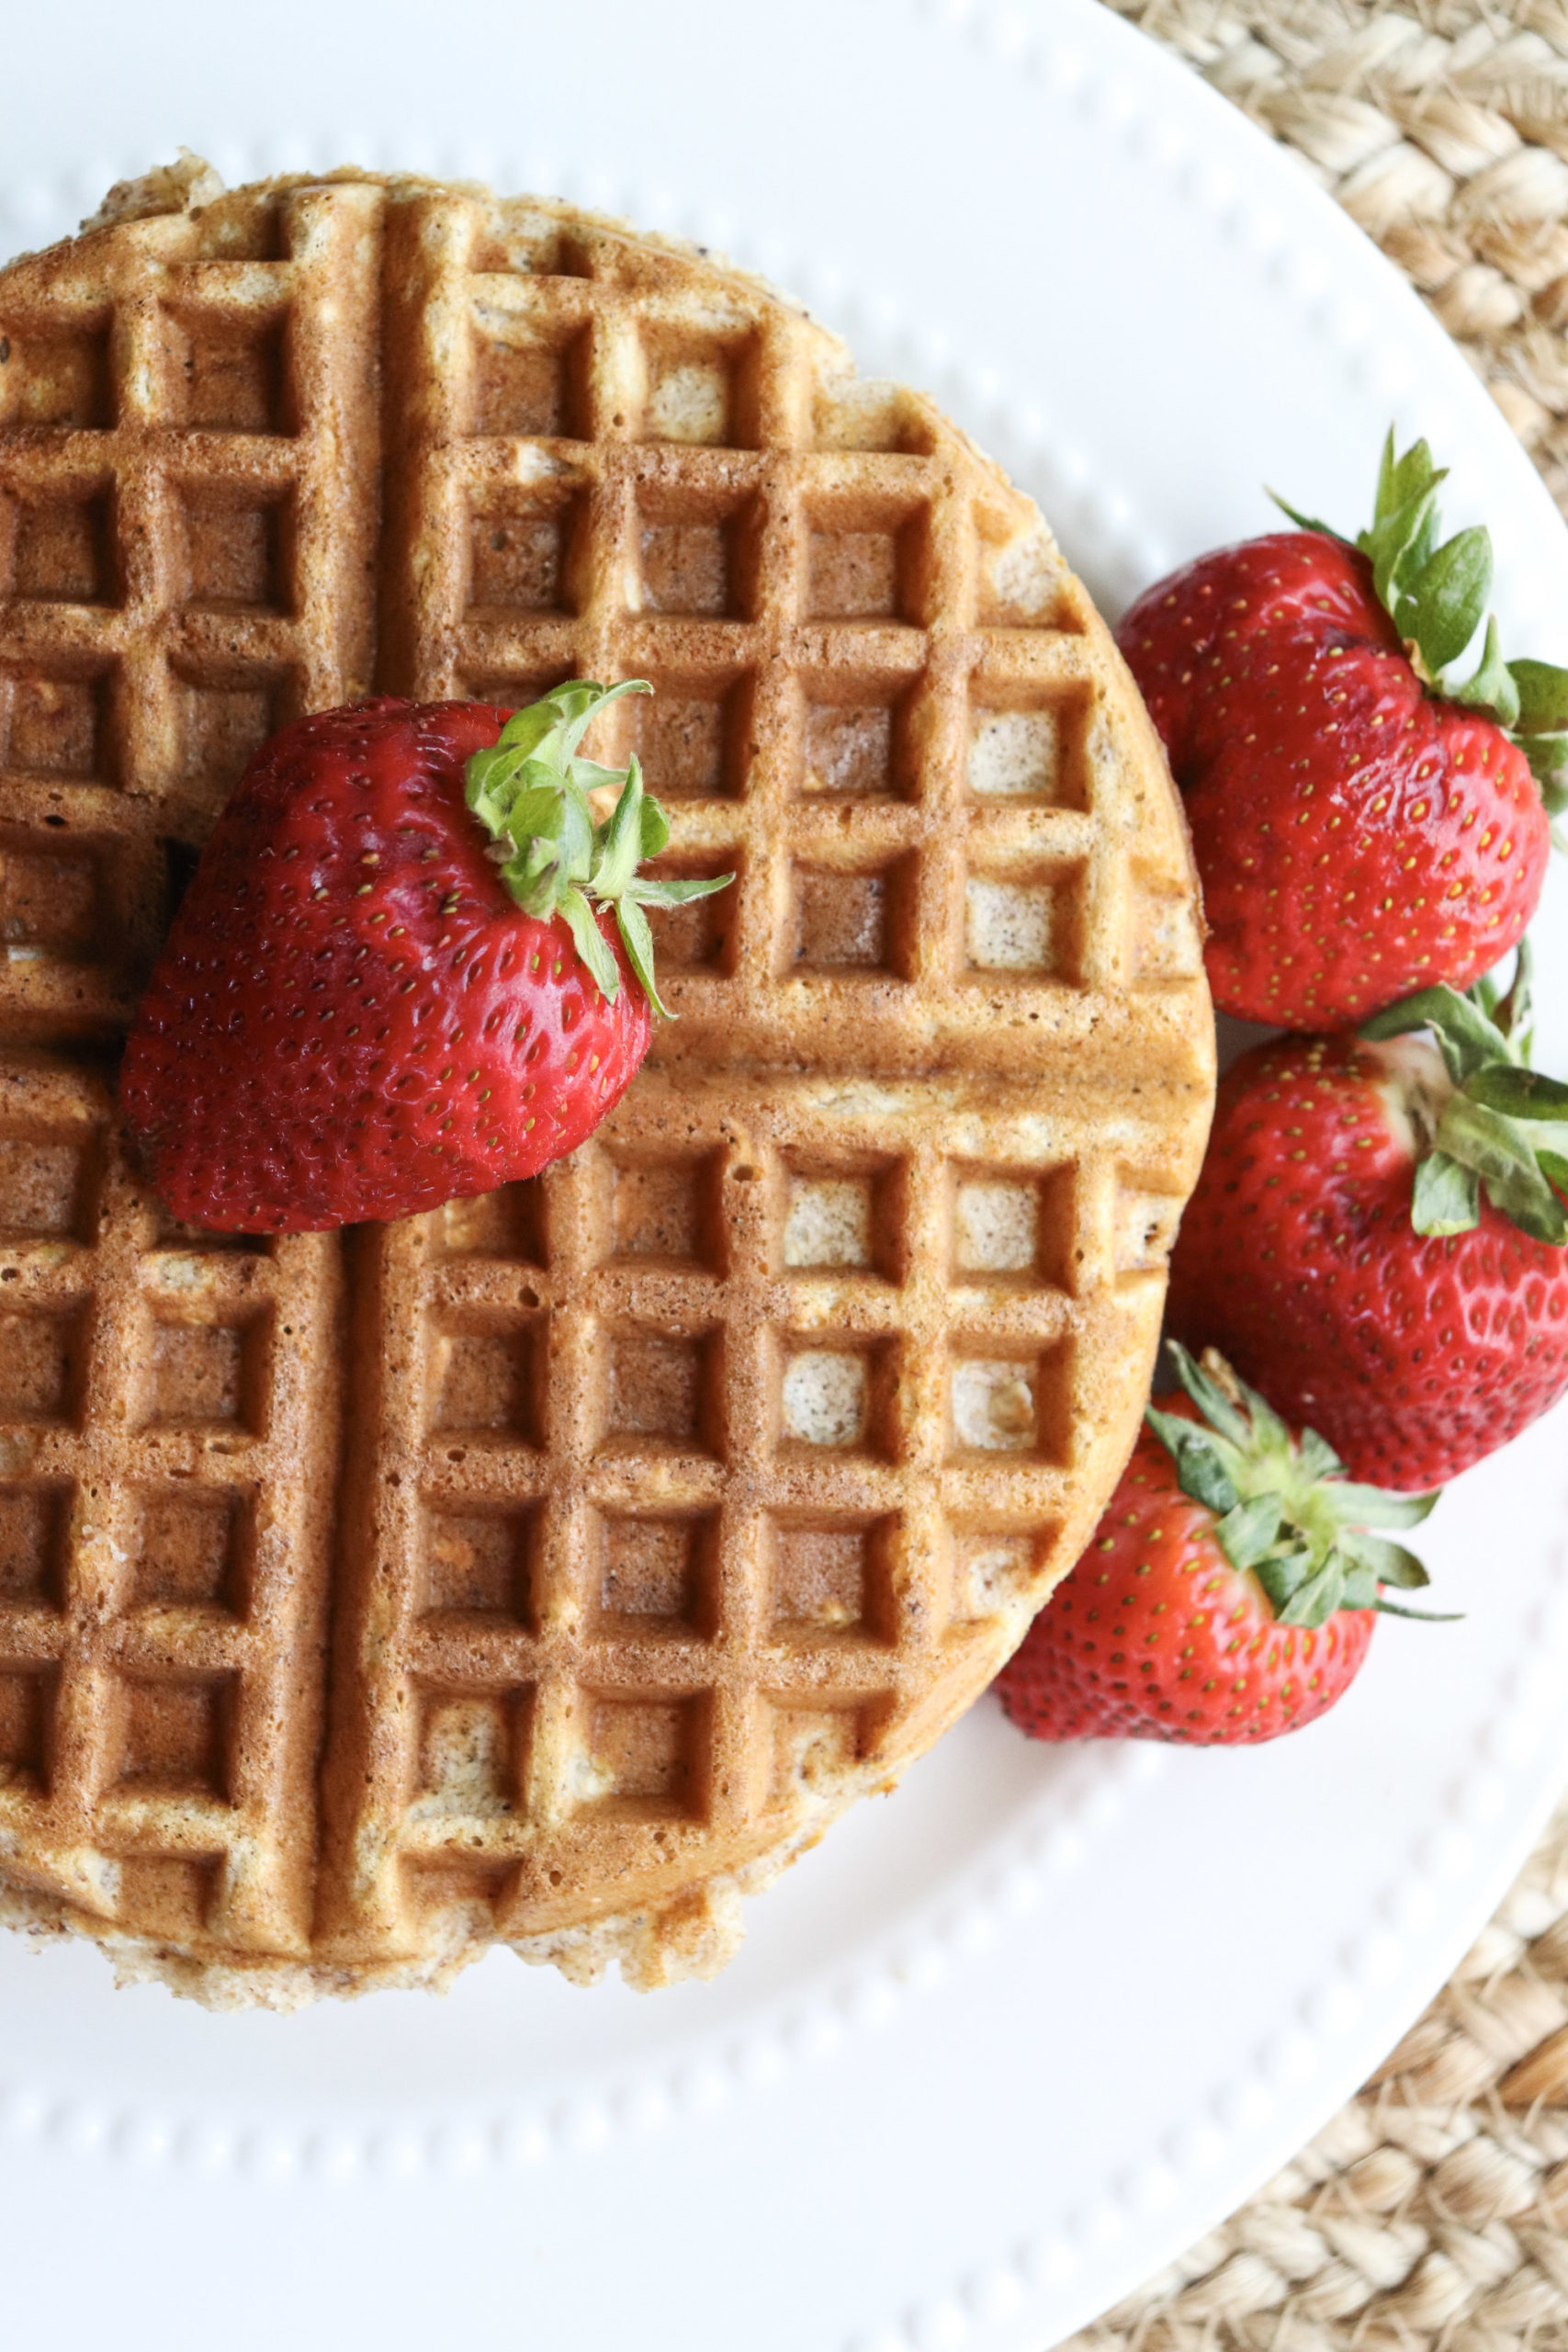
(550, 1569)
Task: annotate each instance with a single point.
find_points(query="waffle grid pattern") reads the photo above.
(161, 1592)
(687, 1503)
(691, 1491)
(180, 568)
(875, 701)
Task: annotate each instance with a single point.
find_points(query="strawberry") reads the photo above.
(1229, 1592)
(1363, 826)
(410, 965)
(1377, 1236)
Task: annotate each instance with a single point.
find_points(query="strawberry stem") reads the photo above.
(1284, 1510)
(530, 792)
(1436, 594)
(1503, 1128)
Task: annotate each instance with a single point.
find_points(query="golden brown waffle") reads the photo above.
(660, 1506)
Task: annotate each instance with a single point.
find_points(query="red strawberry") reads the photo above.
(1230, 1591)
(1362, 827)
(1376, 1237)
(385, 987)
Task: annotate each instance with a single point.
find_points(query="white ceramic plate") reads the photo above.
(1008, 2041)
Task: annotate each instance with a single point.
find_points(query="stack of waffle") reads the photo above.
(550, 1569)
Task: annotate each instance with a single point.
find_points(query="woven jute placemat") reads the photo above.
(1433, 2210)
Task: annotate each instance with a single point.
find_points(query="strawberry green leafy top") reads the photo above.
(1436, 594)
(1284, 1508)
(1503, 1128)
(530, 792)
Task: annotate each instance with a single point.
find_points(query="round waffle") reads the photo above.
(552, 1569)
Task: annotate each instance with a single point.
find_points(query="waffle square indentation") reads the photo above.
(507, 1224)
(208, 1375)
(693, 735)
(539, 246)
(854, 575)
(994, 1408)
(236, 554)
(454, 1885)
(481, 1562)
(226, 374)
(525, 559)
(61, 378)
(863, 413)
(516, 689)
(697, 558)
(225, 724)
(859, 741)
(49, 1185)
(645, 1757)
(993, 1569)
(664, 1391)
(1006, 1401)
(42, 1361)
(837, 1395)
(826, 1399)
(867, 559)
(1013, 1227)
(849, 750)
(469, 1755)
(62, 550)
(701, 389)
(195, 1550)
(995, 1228)
(27, 1711)
(667, 1212)
(701, 935)
(828, 1221)
(656, 1570)
(1033, 753)
(813, 1749)
(1144, 1231)
(832, 1578)
(845, 921)
(528, 380)
(841, 1217)
(57, 725)
(1023, 582)
(486, 1378)
(50, 899)
(1031, 925)
(1165, 942)
(196, 1241)
(35, 1533)
(168, 1898)
(176, 1733)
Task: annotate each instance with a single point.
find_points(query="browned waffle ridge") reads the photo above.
(550, 1569)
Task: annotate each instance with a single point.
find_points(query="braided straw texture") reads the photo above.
(1433, 2210)
(1442, 128)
